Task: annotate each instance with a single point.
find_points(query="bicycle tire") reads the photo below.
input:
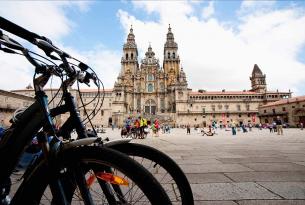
(33, 187)
(144, 151)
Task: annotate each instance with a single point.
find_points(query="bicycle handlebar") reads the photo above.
(43, 43)
(19, 31)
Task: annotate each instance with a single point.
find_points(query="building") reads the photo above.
(291, 111)
(9, 102)
(147, 88)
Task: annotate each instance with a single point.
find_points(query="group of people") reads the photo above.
(139, 127)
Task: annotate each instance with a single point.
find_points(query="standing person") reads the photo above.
(301, 125)
(137, 127)
(157, 127)
(188, 129)
(233, 127)
(279, 126)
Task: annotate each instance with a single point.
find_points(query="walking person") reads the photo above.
(279, 126)
(188, 129)
(301, 125)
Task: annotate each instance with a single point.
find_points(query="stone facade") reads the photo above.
(162, 92)
(9, 102)
(291, 111)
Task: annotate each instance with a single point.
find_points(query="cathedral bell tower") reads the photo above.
(129, 59)
(258, 80)
(171, 60)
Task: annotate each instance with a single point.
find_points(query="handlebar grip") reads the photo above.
(18, 30)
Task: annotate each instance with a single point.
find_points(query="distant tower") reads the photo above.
(171, 60)
(258, 80)
(129, 59)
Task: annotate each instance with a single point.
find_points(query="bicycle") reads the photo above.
(60, 161)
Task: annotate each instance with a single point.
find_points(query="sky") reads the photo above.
(218, 41)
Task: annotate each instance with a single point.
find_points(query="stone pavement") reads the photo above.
(254, 168)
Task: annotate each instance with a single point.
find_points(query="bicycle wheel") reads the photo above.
(136, 185)
(164, 169)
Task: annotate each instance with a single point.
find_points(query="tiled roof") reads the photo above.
(223, 93)
(286, 101)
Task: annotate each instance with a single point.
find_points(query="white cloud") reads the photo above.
(215, 55)
(248, 5)
(49, 19)
(208, 11)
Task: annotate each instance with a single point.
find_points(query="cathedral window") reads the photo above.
(168, 55)
(131, 56)
(174, 55)
(150, 87)
(126, 56)
(150, 77)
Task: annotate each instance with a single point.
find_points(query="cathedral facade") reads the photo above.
(146, 87)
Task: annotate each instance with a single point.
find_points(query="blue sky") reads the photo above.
(219, 41)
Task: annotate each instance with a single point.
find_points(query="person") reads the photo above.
(188, 129)
(157, 127)
(233, 127)
(243, 127)
(250, 126)
(301, 125)
(141, 120)
(279, 126)
(137, 128)
(270, 126)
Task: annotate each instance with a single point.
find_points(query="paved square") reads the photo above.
(257, 167)
(254, 168)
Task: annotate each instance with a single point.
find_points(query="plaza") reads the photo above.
(254, 168)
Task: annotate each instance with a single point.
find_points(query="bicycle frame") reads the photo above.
(19, 136)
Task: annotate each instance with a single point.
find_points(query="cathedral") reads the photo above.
(147, 87)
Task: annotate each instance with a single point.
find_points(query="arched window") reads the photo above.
(126, 56)
(174, 55)
(131, 56)
(168, 55)
(150, 77)
(150, 87)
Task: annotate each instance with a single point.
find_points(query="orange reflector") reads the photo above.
(109, 177)
(90, 180)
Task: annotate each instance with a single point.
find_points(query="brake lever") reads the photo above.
(10, 43)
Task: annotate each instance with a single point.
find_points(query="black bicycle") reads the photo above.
(63, 173)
